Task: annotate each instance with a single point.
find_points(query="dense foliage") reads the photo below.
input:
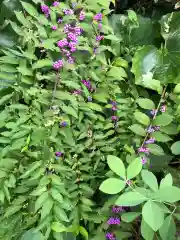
(89, 123)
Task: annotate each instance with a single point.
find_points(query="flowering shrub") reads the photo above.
(71, 109)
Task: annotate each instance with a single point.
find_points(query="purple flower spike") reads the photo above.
(114, 118)
(144, 150)
(62, 43)
(58, 154)
(113, 221)
(68, 11)
(56, 3)
(63, 124)
(71, 60)
(54, 28)
(156, 128)
(99, 38)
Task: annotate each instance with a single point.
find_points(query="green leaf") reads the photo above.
(138, 129)
(83, 232)
(69, 110)
(46, 208)
(167, 181)
(5, 99)
(168, 229)
(150, 179)
(112, 185)
(112, 38)
(56, 195)
(153, 215)
(41, 200)
(177, 88)
(155, 149)
(94, 106)
(160, 137)
(177, 215)
(60, 213)
(134, 168)
(30, 9)
(120, 62)
(145, 103)
(130, 199)
(58, 227)
(117, 73)
(169, 194)
(32, 234)
(142, 118)
(22, 19)
(130, 216)
(146, 231)
(163, 119)
(116, 165)
(175, 148)
(11, 210)
(42, 63)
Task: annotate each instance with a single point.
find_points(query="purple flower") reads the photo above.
(45, 10)
(156, 128)
(99, 38)
(113, 103)
(144, 150)
(77, 92)
(98, 17)
(100, 25)
(71, 60)
(117, 209)
(143, 160)
(56, 3)
(87, 83)
(110, 236)
(63, 124)
(89, 99)
(74, 5)
(68, 11)
(114, 118)
(150, 129)
(72, 37)
(150, 140)
(54, 27)
(58, 154)
(153, 112)
(60, 20)
(62, 43)
(128, 182)
(58, 64)
(114, 108)
(113, 221)
(163, 108)
(82, 15)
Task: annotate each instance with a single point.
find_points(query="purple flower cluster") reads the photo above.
(110, 236)
(113, 221)
(68, 11)
(153, 129)
(153, 112)
(143, 150)
(45, 9)
(98, 17)
(54, 28)
(62, 43)
(58, 64)
(150, 140)
(55, 4)
(60, 20)
(63, 124)
(82, 15)
(87, 83)
(163, 108)
(99, 38)
(118, 209)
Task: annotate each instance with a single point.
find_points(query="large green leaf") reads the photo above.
(146, 103)
(163, 119)
(168, 194)
(112, 185)
(32, 234)
(146, 231)
(130, 216)
(130, 199)
(168, 229)
(142, 118)
(175, 148)
(134, 168)
(116, 165)
(150, 179)
(153, 215)
(137, 129)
